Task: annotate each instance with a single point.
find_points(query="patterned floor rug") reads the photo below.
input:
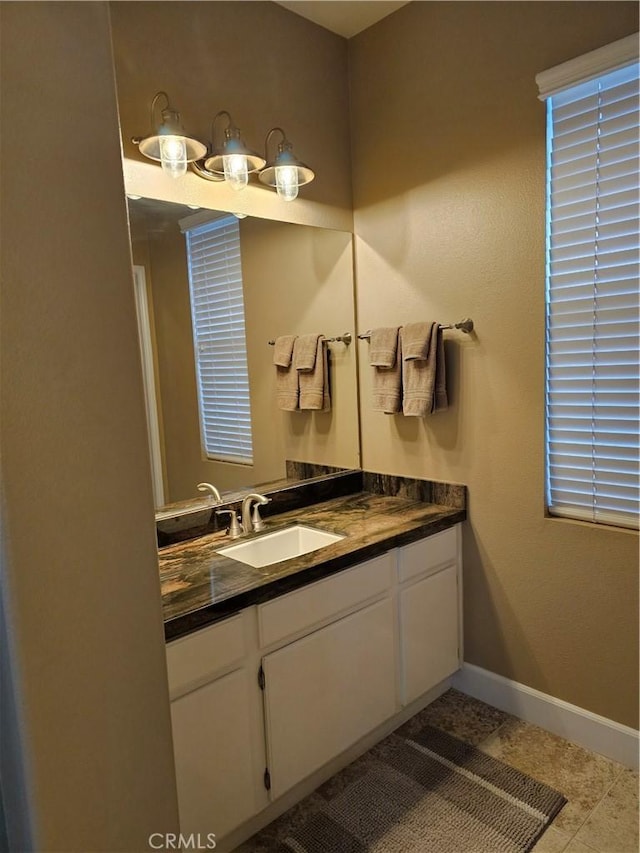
(424, 793)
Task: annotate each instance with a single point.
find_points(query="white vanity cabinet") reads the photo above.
(216, 728)
(429, 612)
(267, 700)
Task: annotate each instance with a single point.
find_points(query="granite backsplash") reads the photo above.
(305, 484)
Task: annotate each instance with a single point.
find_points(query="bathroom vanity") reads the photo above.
(281, 675)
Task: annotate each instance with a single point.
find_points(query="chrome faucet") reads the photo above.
(207, 487)
(251, 521)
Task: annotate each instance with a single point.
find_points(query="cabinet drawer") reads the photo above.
(192, 659)
(428, 555)
(313, 605)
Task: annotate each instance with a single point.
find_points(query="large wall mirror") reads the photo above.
(296, 279)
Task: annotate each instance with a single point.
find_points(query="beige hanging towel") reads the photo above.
(287, 388)
(440, 400)
(385, 357)
(283, 350)
(304, 352)
(423, 369)
(314, 384)
(383, 346)
(416, 341)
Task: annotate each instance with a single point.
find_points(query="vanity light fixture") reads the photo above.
(167, 142)
(232, 160)
(285, 172)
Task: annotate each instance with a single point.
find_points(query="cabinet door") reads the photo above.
(212, 746)
(428, 632)
(326, 691)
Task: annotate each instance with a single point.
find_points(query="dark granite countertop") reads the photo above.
(200, 586)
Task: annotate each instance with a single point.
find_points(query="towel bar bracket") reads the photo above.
(465, 326)
(341, 339)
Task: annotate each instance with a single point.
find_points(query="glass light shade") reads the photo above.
(287, 182)
(173, 155)
(236, 172)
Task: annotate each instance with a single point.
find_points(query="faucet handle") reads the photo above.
(235, 529)
(256, 521)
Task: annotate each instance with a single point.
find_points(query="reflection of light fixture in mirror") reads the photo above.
(286, 173)
(168, 142)
(233, 160)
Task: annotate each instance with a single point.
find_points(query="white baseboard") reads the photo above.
(577, 725)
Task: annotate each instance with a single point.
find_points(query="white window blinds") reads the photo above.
(217, 311)
(592, 300)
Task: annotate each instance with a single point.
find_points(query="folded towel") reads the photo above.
(387, 384)
(304, 352)
(287, 389)
(314, 384)
(416, 340)
(326, 396)
(419, 371)
(283, 350)
(383, 345)
(440, 400)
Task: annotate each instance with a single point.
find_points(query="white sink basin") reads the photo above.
(281, 545)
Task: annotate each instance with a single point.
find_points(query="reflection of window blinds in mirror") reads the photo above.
(217, 311)
(592, 300)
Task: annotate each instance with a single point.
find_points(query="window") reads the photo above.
(217, 311)
(592, 411)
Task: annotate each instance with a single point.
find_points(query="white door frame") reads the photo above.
(149, 380)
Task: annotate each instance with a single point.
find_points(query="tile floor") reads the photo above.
(601, 815)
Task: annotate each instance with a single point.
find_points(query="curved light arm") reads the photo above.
(155, 101)
(268, 137)
(213, 126)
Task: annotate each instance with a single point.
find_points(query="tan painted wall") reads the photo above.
(299, 280)
(80, 569)
(265, 65)
(296, 280)
(446, 116)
